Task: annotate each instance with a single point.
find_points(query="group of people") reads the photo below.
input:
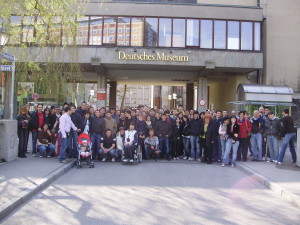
(171, 135)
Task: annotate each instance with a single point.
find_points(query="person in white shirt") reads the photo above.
(65, 126)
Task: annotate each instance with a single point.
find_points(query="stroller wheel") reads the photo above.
(79, 166)
(92, 166)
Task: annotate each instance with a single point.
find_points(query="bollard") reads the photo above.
(8, 140)
(298, 147)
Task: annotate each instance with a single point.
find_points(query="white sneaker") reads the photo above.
(279, 163)
(177, 158)
(275, 161)
(191, 159)
(174, 158)
(199, 160)
(131, 160)
(41, 156)
(113, 159)
(103, 160)
(264, 158)
(48, 156)
(185, 157)
(223, 164)
(232, 165)
(34, 155)
(125, 160)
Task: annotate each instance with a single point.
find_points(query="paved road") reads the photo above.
(156, 193)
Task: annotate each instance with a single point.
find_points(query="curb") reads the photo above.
(24, 196)
(272, 185)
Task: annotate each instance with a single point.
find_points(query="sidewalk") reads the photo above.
(22, 178)
(283, 179)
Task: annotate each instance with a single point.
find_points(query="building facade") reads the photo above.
(208, 47)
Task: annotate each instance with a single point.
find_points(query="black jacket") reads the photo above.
(287, 125)
(185, 129)
(77, 120)
(236, 130)
(97, 126)
(177, 132)
(163, 128)
(210, 134)
(81, 112)
(273, 128)
(195, 127)
(52, 120)
(34, 121)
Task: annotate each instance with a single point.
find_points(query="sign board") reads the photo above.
(101, 94)
(8, 57)
(6, 68)
(35, 96)
(202, 102)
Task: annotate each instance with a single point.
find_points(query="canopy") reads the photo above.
(268, 95)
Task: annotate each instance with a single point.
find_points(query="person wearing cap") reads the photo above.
(272, 133)
(257, 131)
(195, 126)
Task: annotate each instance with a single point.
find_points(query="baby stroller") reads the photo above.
(84, 146)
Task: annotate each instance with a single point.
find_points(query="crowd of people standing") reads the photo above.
(171, 135)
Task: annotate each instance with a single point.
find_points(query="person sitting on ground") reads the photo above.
(130, 143)
(151, 145)
(107, 146)
(45, 142)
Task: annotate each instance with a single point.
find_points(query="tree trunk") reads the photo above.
(123, 98)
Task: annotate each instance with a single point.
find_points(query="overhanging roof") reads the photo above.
(262, 103)
(265, 89)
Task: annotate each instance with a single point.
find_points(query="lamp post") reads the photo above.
(173, 97)
(3, 40)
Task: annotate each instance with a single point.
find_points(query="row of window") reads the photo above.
(144, 32)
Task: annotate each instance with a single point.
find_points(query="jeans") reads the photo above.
(34, 140)
(223, 147)
(256, 143)
(23, 139)
(49, 150)
(119, 154)
(273, 144)
(164, 146)
(217, 149)
(149, 151)
(186, 146)
(72, 144)
(96, 139)
(243, 149)
(63, 147)
(235, 147)
(111, 152)
(195, 146)
(288, 139)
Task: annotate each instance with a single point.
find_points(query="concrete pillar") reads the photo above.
(189, 96)
(165, 102)
(113, 94)
(101, 90)
(298, 148)
(8, 140)
(202, 92)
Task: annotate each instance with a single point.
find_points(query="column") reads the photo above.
(298, 148)
(101, 90)
(113, 94)
(202, 92)
(189, 96)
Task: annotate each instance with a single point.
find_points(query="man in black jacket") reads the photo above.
(97, 131)
(78, 122)
(195, 128)
(82, 109)
(164, 131)
(289, 134)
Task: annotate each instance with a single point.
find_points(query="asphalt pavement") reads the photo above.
(156, 193)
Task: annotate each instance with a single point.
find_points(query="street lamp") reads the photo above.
(173, 97)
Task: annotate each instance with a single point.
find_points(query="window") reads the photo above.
(109, 29)
(165, 32)
(178, 32)
(219, 34)
(15, 32)
(233, 35)
(28, 29)
(127, 37)
(151, 30)
(206, 34)
(257, 37)
(83, 27)
(137, 26)
(247, 35)
(127, 30)
(96, 24)
(80, 33)
(192, 36)
(70, 31)
(123, 23)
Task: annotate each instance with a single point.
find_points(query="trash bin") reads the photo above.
(9, 140)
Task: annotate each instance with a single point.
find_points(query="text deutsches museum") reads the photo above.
(157, 57)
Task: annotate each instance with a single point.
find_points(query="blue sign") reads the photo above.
(8, 57)
(6, 68)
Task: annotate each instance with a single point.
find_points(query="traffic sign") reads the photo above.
(202, 102)
(8, 57)
(35, 96)
(6, 68)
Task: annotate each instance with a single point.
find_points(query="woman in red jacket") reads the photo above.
(245, 131)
